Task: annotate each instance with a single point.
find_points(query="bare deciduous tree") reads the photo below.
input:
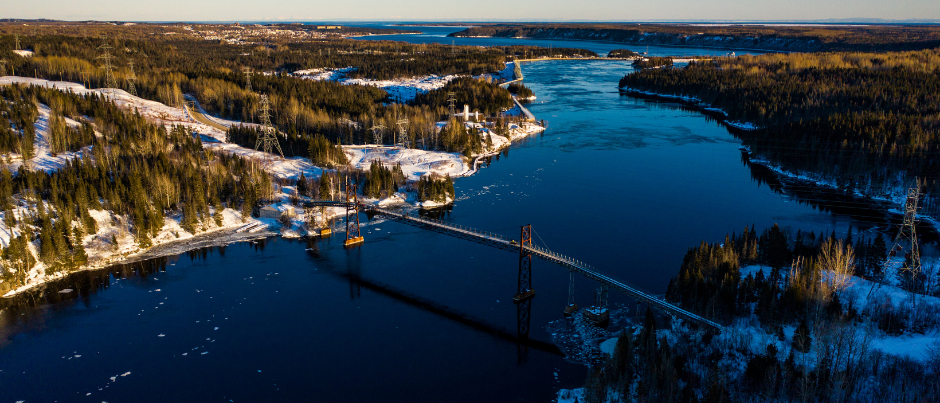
(838, 261)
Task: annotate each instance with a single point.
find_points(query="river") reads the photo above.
(626, 185)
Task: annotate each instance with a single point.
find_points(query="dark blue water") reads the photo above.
(438, 34)
(626, 185)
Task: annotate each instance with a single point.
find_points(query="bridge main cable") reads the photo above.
(500, 242)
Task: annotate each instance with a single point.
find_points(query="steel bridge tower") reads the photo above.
(353, 235)
(524, 289)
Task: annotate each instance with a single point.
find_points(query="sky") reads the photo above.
(477, 10)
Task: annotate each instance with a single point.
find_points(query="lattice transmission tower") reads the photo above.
(402, 137)
(452, 104)
(247, 79)
(377, 131)
(267, 140)
(908, 234)
(106, 58)
(17, 42)
(131, 78)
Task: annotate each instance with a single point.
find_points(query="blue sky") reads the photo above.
(478, 10)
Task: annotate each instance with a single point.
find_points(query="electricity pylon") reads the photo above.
(247, 79)
(106, 56)
(908, 234)
(17, 42)
(452, 104)
(131, 78)
(402, 138)
(377, 134)
(267, 140)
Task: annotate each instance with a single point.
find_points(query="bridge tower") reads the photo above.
(524, 290)
(353, 236)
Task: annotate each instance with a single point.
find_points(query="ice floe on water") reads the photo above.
(581, 341)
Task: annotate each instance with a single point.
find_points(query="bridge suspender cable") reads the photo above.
(527, 249)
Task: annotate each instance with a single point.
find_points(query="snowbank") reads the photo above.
(323, 74)
(415, 163)
(102, 252)
(858, 293)
(43, 159)
(404, 90)
(400, 89)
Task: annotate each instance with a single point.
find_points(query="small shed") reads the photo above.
(270, 212)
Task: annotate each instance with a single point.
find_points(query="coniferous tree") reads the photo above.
(80, 257)
(877, 255)
(802, 340)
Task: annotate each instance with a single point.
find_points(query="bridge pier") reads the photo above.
(524, 289)
(599, 313)
(572, 307)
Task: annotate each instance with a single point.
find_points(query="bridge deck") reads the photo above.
(501, 242)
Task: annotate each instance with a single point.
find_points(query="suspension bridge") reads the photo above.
(523, 246)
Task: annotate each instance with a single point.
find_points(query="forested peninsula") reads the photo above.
(867, 123)
(807, 38)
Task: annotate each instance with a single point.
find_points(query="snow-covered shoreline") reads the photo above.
(691, 102)
(172, 239)
(103, 254)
